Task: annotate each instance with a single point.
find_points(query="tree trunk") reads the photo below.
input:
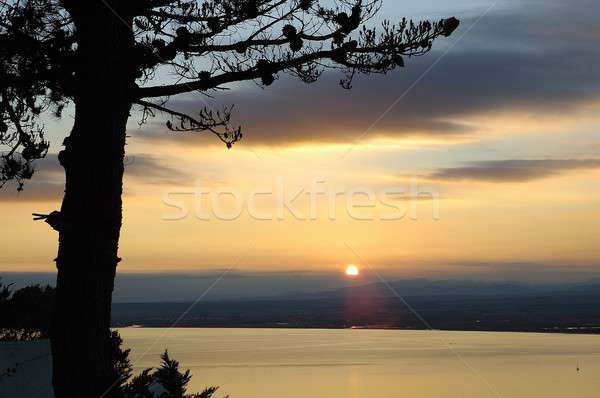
(91, 211)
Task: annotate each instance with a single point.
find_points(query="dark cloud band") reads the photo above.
(515, 170)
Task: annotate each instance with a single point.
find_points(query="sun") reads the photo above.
(352, 270)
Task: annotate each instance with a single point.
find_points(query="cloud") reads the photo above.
(515, 170)
(47, 184)
(36, 191)
(151, 170)
(530, 271)
(530, 60)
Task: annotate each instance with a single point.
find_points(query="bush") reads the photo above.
(167, 381)
(26, 313)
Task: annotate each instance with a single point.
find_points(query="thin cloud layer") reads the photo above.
(515, 170)
(47, 184)
(152, 170)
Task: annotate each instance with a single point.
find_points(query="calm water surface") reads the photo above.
(294, 363)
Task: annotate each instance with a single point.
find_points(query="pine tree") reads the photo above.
(102, 56)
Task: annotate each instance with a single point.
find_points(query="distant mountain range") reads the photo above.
(429, 288)
(400, 304)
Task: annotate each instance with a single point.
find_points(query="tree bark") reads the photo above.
(91, 211)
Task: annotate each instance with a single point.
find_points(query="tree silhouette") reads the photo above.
(26, 312)
(103, 56)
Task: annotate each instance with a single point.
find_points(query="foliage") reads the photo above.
(167, 381)
(169, 376)
(34, 67)
(138, 386)
(26, 313)
(122, 367)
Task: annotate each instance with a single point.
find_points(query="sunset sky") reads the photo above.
(497, 128)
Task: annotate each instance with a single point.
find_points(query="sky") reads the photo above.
(478, 160)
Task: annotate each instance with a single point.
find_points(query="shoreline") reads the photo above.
(596, 330)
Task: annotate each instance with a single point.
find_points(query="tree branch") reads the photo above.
(336, 55)
(209, 122)
(229, 77)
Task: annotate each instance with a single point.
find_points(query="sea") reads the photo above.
(352, 363)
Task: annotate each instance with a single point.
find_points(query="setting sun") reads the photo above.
(352, 270)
